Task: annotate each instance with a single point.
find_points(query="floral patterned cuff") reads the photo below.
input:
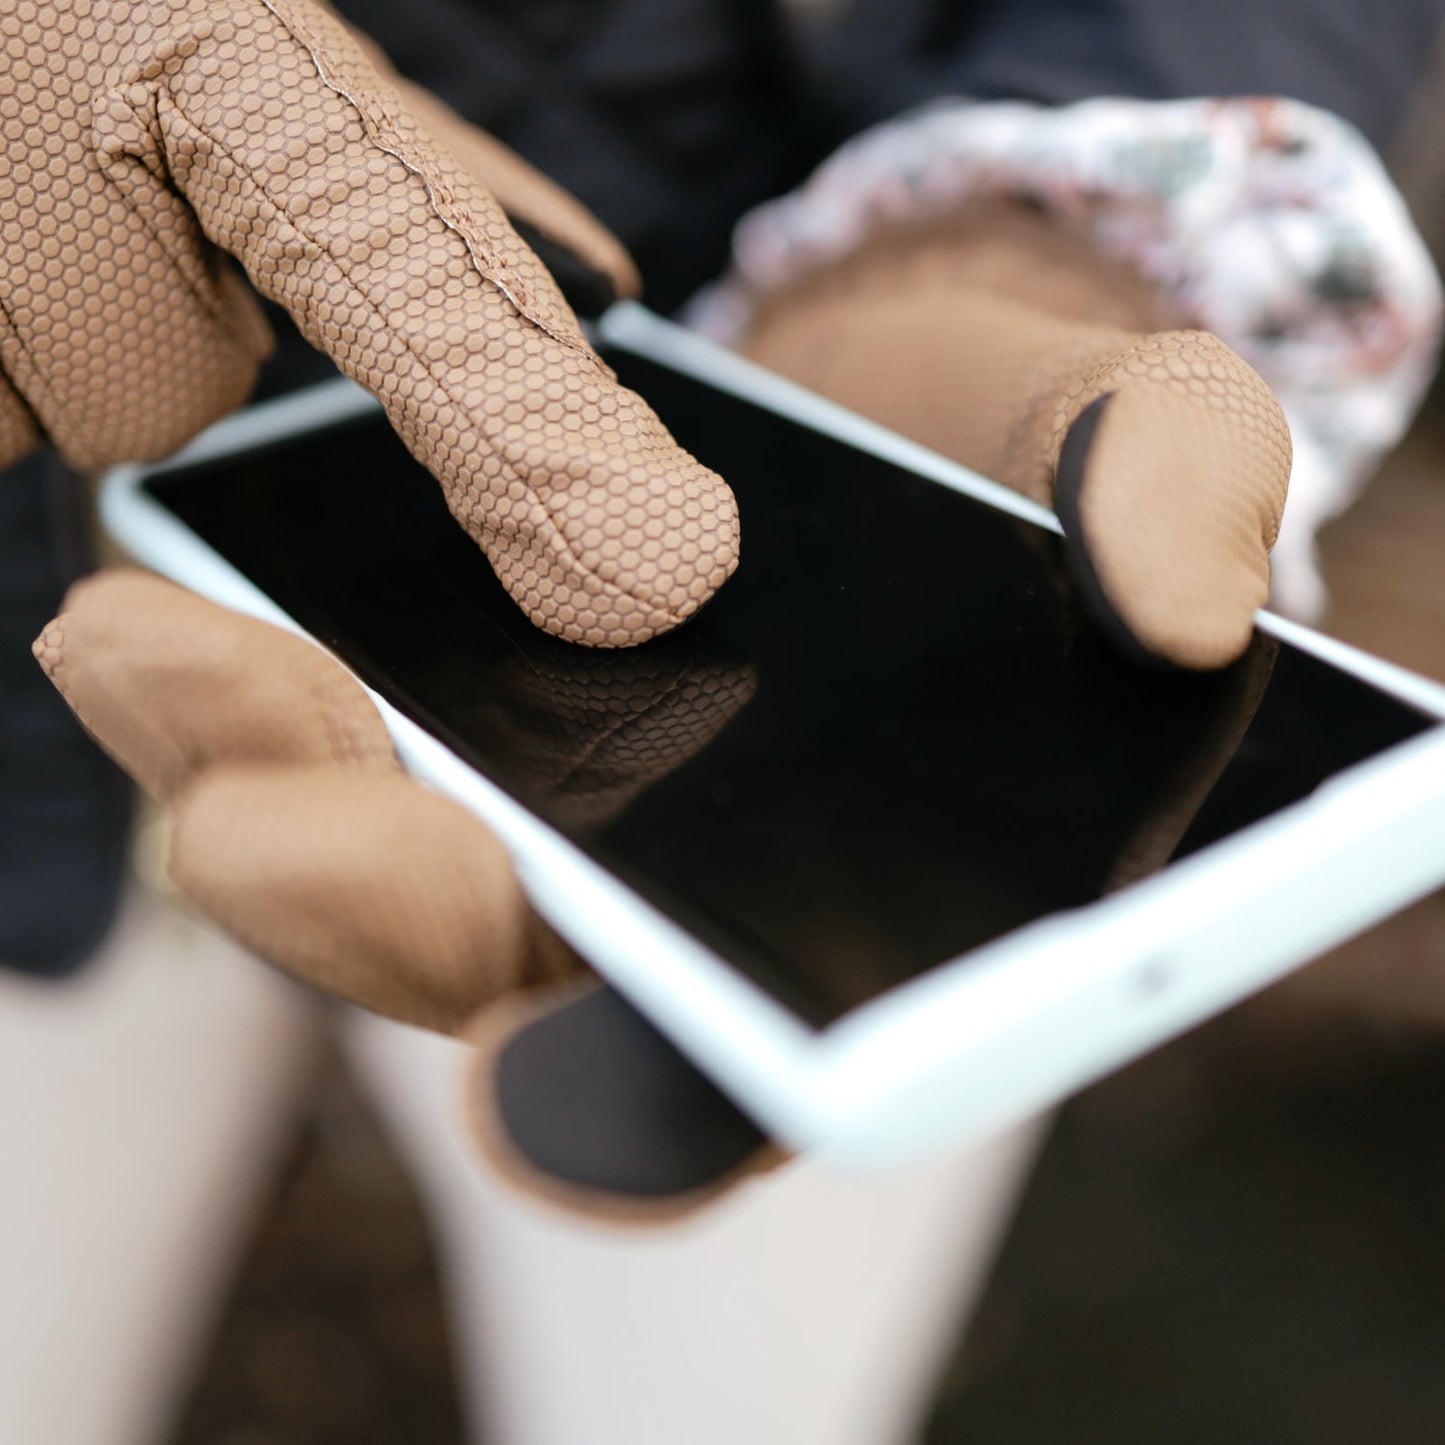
(1269, 222)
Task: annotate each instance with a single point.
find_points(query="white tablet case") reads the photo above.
(973, 1045)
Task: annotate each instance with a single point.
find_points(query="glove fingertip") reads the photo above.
(577, 1100)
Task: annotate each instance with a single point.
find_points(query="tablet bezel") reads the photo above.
(985, 1039)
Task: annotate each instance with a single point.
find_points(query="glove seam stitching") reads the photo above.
(491, 267)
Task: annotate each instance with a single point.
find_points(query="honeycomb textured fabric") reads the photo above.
(293, 825)
(141, 142)
(365, 885)
(598, 731)
(987, 337)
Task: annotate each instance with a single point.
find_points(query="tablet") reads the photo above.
(889, 839)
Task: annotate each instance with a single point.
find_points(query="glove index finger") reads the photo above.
(541, 210)
(298, 157)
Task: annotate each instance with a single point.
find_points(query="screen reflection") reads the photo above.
(892, 737)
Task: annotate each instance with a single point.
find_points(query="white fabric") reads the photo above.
(811, 1306)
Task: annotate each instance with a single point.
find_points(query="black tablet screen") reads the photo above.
(892, 737)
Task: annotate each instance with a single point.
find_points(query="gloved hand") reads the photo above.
(140, 141)
(1004, 343)
(293, 826)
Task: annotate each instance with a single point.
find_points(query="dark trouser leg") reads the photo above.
(64, 808)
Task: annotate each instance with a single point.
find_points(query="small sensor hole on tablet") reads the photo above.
(1154, 978)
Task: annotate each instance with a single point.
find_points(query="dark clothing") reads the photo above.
(64, 808)
(1360, 60)
(669, 118)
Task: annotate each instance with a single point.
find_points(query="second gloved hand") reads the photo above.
(1001, 341)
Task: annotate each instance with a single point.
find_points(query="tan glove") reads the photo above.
(293, 826)
(999, 341)
(139, 141)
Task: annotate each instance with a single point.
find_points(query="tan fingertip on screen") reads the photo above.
(174, 131)
(987, 339)
(1180, 505)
